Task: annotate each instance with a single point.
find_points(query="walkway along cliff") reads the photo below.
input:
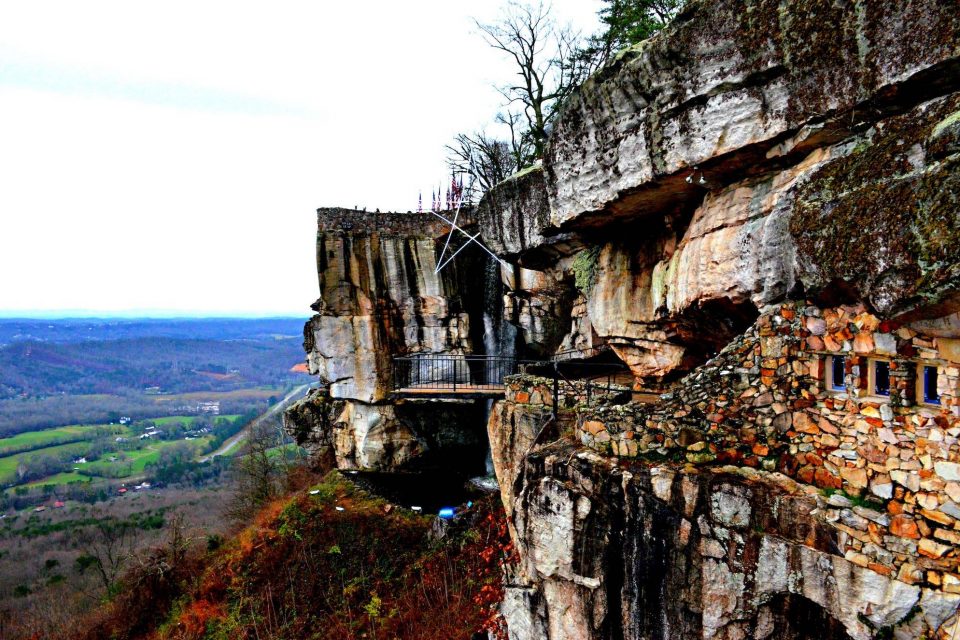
(757, 212)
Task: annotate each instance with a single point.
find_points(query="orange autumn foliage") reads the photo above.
(304, 569)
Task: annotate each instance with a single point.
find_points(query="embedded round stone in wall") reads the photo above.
(783, 422)
(816, 326)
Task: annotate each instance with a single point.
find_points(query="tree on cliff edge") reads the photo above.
(550, 62)
(490, 159)
(546, 66)
(626, 22)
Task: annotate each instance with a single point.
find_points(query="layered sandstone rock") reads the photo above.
(540, 304)
(381, 297)
(726, 88)
(680, 168)
(746, 197)
(515, 213)
(894, 199)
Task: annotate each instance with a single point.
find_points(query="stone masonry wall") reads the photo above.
(389, 222)
(888, 467)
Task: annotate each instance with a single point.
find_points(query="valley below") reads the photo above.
(92, 481)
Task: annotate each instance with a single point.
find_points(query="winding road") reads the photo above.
(237, 439)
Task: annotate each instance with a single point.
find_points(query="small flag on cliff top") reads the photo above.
(456, 189)
(420, 203)
(444, 259)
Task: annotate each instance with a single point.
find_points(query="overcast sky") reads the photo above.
(168, 158)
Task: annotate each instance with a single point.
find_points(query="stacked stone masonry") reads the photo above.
(888, 467)
(392, 223)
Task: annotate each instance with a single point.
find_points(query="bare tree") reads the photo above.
(107, 549)
(547, 68)
(256, 473)
(519, 144)
(482, 156)
(490, 159)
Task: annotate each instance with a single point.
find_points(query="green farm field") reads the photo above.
(133, 455)
(188, 420)
(133, 463)
(33, 440)
(59, 479)
(9, 464)
(256, 393)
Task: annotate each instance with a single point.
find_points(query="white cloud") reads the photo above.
(171, 156)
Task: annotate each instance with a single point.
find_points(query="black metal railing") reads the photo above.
(578, 382)
(596, 376)
(445, 372)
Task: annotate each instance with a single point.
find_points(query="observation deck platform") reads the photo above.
(456, 376)
(432, 375)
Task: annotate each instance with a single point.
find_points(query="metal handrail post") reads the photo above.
(556, 391)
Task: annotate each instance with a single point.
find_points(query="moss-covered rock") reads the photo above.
(884, 220)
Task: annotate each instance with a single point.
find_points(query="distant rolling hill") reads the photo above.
(84, 329)
(91, 369)
(173, 365)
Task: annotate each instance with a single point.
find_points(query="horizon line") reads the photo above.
(144, 314)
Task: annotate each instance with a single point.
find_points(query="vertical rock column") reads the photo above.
(380, 298)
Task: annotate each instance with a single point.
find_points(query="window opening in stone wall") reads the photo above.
(836, 372)
(929, 380)
(880, 374)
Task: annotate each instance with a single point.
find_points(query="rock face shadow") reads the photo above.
(788, 616)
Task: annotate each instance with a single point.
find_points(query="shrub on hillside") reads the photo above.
(328, 562)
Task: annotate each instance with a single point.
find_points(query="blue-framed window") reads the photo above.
(837, 373)
(929, 379)
(881, 378)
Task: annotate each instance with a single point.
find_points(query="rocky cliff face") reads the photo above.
(748, 199)
(658, 552)
(690, 149)
(730, 90)
(381, 297)
(757, 210)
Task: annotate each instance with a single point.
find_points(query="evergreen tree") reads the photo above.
(627, 22)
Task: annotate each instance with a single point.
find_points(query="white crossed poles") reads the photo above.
(441, 262)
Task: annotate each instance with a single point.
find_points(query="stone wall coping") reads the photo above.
(354, 221)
